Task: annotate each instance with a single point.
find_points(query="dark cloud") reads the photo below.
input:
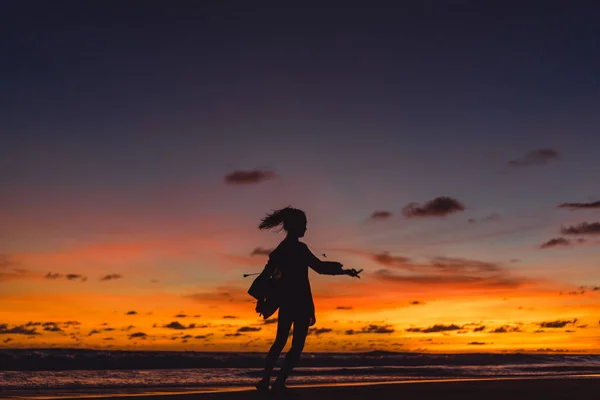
(108, 329)
(574, 206)
(128, 328)
(584, 228)
(229, 317)
(438, 207)
(343, 308)
(372, 328)
(131, 313)
(180, 316)
(140, 335)
(556, 242)
(582, 326)
(111, 277)
(535, 157)
(187, 337)
(234, 334)
(557, 324)
(270, 321)
(93, 332)
(108, 338)
(52, 327)
(477, 343)
(479, 329)
(381, 215)
(249, 177)
(436, 329)
(249, 329)
(17, 330)
(259, 251)
(416, 303)
(319, 331)
(506, 329)
(203, 336)
(72, 277)
(8, 340)
(177, 325)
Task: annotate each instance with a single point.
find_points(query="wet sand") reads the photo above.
(478, 389)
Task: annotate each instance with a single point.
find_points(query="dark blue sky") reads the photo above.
(381, 105)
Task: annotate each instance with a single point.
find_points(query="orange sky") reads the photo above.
(184, 291)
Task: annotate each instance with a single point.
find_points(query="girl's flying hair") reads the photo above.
(287, 217)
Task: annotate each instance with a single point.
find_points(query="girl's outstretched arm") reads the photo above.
(325, 267)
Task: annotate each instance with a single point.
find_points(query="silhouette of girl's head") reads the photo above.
(292, 219)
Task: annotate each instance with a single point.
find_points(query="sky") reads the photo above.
(448, 148)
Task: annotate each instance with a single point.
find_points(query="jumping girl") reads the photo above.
(288, 264)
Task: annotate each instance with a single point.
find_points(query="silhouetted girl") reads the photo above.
(288, 264)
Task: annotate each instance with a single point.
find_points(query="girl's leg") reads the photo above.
(284, 324)
(293, 356)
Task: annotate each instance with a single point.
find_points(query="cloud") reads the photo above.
(140, 335)
(259, 251)
(10, 269)
(270, 321)
(249, 329)
(477, 343)
(379, 215)
(574, 206)
(234, 334)
(319, 331)
(17, 330)
(180, 316)
(479, 329)
(416, 303)
(203, 336)
(131, 313)
(438, 207)
(535, 157)
(70, 277)
(494, 281)
(229, 317)
(506, 329)
(556, 242)
(343, 308)
(392, 261)
(557, 324)
(111, 277)
(585, 228)
(93, 332)
(436, 329)
(240, 177)
(177, 325)
(372, 328)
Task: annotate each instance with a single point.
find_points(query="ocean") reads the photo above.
(42, 372)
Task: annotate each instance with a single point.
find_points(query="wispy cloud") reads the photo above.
(575, 206)
(535, 157)
(111, 277)
(380, 214)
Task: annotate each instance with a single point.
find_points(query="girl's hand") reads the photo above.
(353, 273)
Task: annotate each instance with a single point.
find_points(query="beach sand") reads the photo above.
(479, 389)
